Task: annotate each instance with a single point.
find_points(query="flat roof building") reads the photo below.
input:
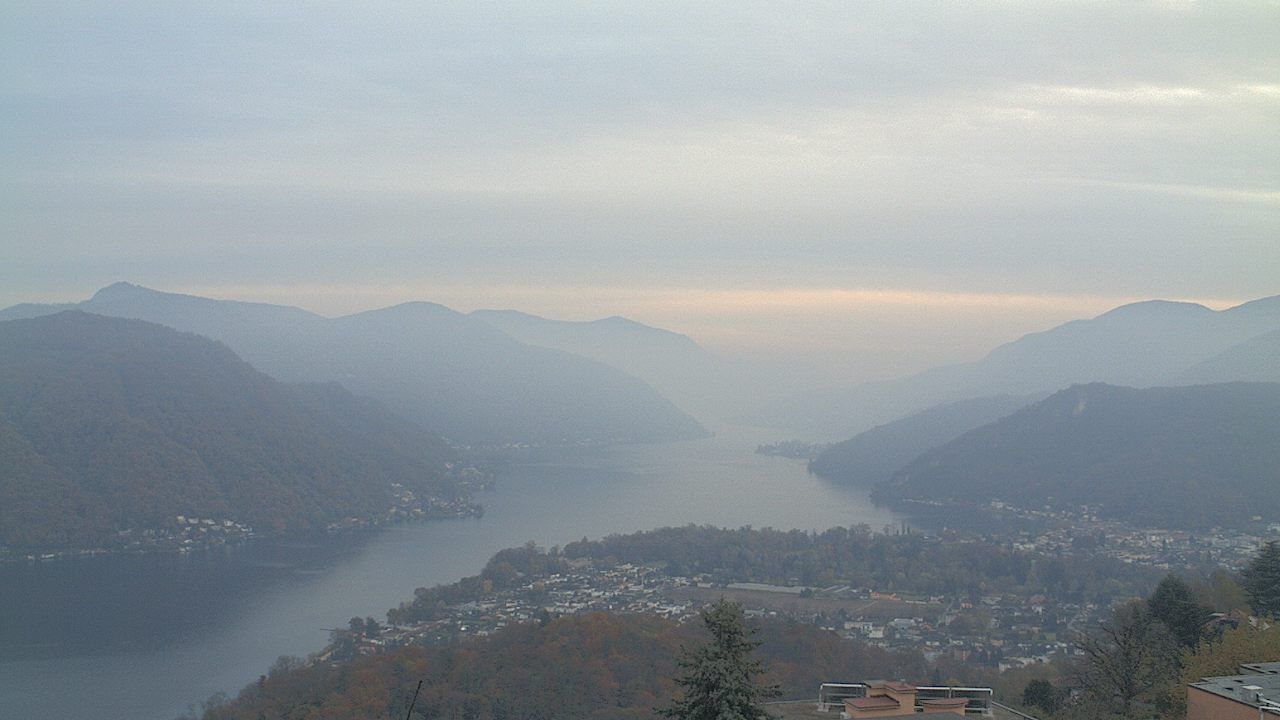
(1253, 694)
(885, 699)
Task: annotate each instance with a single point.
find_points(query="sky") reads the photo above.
(872, 188)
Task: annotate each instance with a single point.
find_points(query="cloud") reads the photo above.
(1066, 149)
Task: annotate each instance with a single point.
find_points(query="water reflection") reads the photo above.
(144, 636)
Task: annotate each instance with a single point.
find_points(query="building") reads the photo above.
(892, 699)
(1253, 694)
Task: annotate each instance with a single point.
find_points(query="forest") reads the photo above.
(111, 428)
(599, 665)
(1174, 457)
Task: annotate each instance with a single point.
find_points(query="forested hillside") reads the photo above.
(600, 666)
(872, 457)
(1194, 456)
(110, 425)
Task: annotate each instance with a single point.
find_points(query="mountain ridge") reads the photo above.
(1139, 344)
(455, 375)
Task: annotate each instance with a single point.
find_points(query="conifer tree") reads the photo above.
(1175, 605)
(1262, 581)
(720, 677)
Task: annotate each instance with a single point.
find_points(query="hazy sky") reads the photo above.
(893, 184)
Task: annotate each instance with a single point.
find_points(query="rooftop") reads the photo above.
(808, 710)
(879, 702)
(1244, 688)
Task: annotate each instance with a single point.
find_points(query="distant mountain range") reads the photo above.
(1138, 345)
(110, 425)
(674, 364)
(456, 375)
(1195, 456)
(1256, 359)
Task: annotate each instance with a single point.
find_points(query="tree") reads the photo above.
(1262, 581)
(1127, 658)
(1175, 605)
(1042, 694)
(719, 680)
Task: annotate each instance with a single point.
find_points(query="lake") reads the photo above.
(146, 637)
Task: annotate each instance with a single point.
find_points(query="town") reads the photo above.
(989, 631)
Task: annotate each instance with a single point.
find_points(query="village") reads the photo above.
(997, 631)
(1066, 532)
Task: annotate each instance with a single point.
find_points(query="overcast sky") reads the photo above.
(894, 184)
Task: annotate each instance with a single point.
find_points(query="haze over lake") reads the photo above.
(145, 636)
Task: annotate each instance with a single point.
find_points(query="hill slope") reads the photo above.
(1138, 345)
(457, 376)
(872, 457)
(598, 665)
(109, 424)
(1193, 456)
(677, 366)
(1255, 360)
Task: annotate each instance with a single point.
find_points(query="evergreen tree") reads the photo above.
(719, 680)
(1042, 694)
(1175, 605)
(1262, 581)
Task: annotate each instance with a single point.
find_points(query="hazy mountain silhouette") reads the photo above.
(872, 457)
(1194, 456)
(1138, 345)
(456, 375)
(1256, 359)
(674, 364)
(109, 424)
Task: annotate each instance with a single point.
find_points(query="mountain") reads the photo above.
(1195, 456)
(455, 375)
(110, 425)
(872, 457)
(1138, 345)
(1256, 360)
(672, 363)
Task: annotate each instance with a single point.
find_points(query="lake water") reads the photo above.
(146, 637)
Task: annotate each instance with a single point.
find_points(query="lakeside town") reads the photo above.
(998, 630)
(187, 534)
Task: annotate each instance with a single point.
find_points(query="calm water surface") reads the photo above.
(146, 637)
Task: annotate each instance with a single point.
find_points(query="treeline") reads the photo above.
(506, 570)
(599, 666)
(854, 556)
(909, 563)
